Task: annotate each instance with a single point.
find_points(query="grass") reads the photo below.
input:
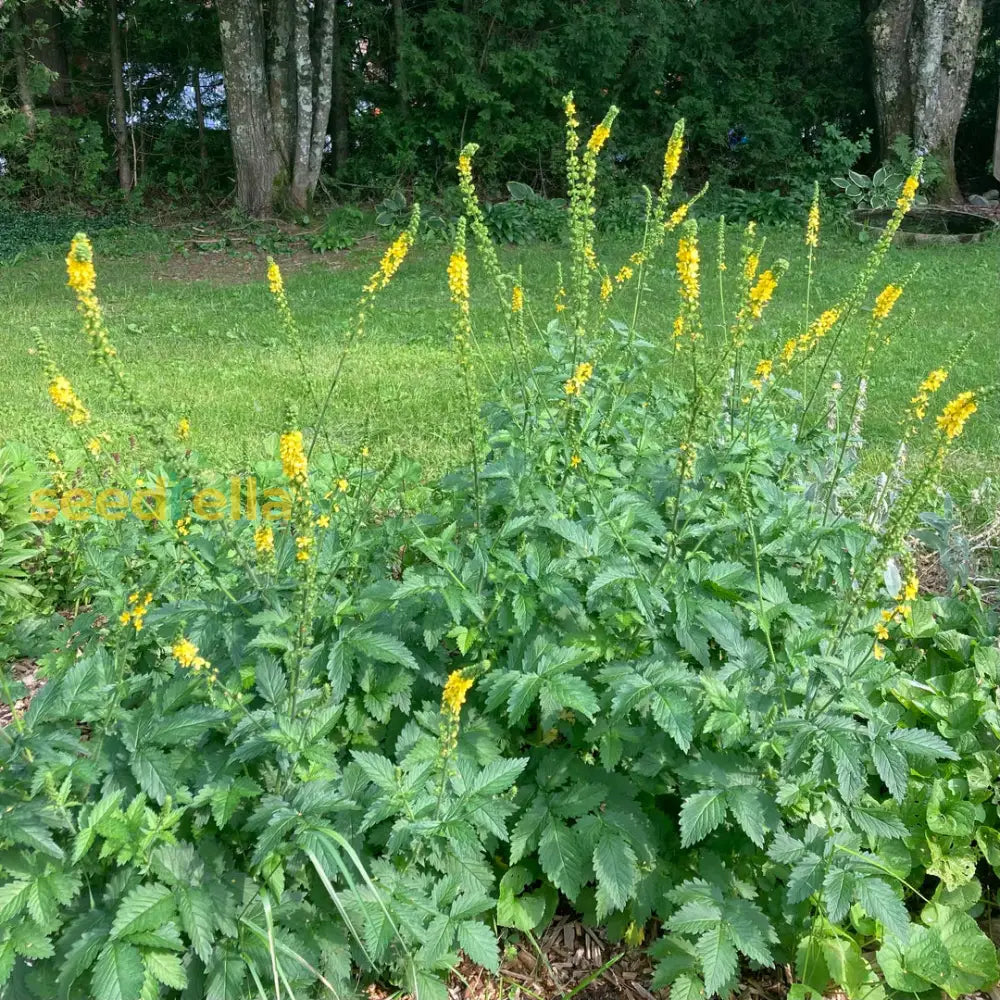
(214, 352)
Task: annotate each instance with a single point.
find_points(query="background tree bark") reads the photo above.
(996, 144)
(125, 178)
(923, 55)
(341, 138)
(251, 129)
(21, 67)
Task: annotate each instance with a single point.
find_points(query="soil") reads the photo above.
(234, 258)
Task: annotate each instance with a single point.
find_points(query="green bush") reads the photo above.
(652, 655)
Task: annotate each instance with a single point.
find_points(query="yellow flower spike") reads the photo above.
(560, 300)
(885, 301)
(80, 266)
(952, 419)
(62, 395)
(606, 288)
(183, 428)
(675, 147)
(688, 266)
(303, 543)
(678, 331)
(274, 279)
(625, 274)
(764, 369)
(458, 278)
(761, 292)
(788, 351)
(912, 589)
(598, 138)
(517, 299)
(678, 215)
(391, 260)
(905, 201)
(750, 267)
(455, 689)
(293, 457)
(812, 226)
(263, 539)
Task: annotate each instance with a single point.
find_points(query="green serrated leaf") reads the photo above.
(480, 944)
(145, 908)
(118, 972)
(701, 813)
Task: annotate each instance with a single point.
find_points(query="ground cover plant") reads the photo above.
(651, 653)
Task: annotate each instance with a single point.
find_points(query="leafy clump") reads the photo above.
(653, 655)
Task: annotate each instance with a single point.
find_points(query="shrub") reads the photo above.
(653, 655)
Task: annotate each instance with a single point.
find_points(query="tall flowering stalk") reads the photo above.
(458, 288)
(390, 263)
(82, 279)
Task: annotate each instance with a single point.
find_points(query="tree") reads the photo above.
(122, 151)
(923, 56)
(278, 61)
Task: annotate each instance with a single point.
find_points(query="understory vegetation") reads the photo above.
(654, 651)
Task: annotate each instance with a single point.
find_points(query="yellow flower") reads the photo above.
(517, 299)
(323, 521)
(183, 428)
(885, 301)
(455, 689)
(182, 525)
(909, 192)
(624, 275)
(911, 589)
(574, 461)
(598, 138)
(342, 485)
(882, 632)
(761, 293)
(123, 618)
(678, 215)
(293, 457)
(94, 447)
(751, 265)
(934, 380)
(878, 651)
(263, 539)
(569, 107)
(186, 654)
(812, 227)
(80, 266)
(365, 451)
(465, 165)
(764, 368)
(688, 262)
(606, 288)
(560, 300)
(788, 351)
(303, 543)
(274, 279)
(678, 326)
(953, 416)
(590, 256)
(672, 157)
(61, 393)
(390, 262)
(581, 376)
(458, 279)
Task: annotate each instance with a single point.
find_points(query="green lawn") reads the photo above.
(213, 351)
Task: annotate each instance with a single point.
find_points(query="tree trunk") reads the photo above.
(251, 130)
(281, 80)
(923, 55)
(199, 111)
(314, 24)
(24, 94)
(125, 178)
(996, 144)
(341, 119)
(399, 23)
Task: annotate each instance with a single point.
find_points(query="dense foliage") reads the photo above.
(652, 656)
(419, 79)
